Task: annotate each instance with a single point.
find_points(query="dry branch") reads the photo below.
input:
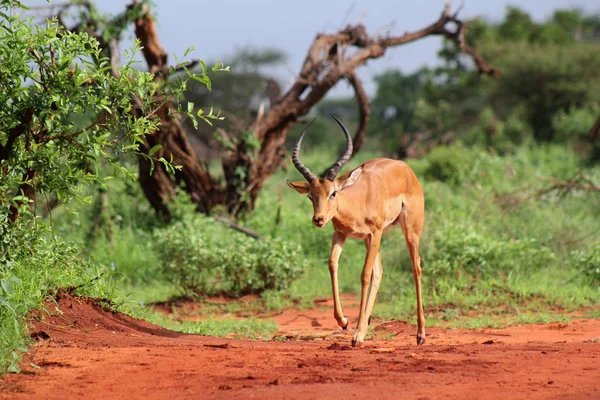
(145, 31)
(240, 228)
(577, 182)
(158, 186)
(330, 58)
(364, 111)
(559, 187)
(187, 65)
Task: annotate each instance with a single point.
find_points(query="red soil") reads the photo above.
(96, 354)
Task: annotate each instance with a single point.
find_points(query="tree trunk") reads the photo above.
(157, 183)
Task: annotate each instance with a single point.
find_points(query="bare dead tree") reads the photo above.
(331, 58)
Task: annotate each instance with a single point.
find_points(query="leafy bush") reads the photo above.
(114, 229)
(461, 248)
(589, 265)
(199, 255)
(53, 91)
(574, 123)
(545, 80)
(31, 263)
(505, 135)
(449, 163)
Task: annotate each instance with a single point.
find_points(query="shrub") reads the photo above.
(449, 163)
(31, 263)
(462, 248)
(201, 256)
(589, 265)
(574, 123)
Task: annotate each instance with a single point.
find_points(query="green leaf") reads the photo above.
(194, 120)
(6, 286)
(5, 303)
(154, 149)
(105, 107)
(22, 198)
(219, 66)
(188, 50)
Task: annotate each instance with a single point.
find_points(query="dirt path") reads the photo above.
(95, 354)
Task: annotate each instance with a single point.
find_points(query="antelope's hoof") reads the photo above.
(345, 326)
(357, 339)
(420, 340)
(369, 322)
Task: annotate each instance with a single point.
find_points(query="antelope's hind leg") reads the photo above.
(412, 226)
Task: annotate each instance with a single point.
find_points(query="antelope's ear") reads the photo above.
(351, 179)
(299, 186)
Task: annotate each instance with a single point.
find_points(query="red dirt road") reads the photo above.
(95, 354)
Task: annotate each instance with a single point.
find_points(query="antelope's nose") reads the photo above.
(318, 220)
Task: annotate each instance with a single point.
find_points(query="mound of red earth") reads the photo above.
(84, 351)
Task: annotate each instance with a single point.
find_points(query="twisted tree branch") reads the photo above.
(364, 111)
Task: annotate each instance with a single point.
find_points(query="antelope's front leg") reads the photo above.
(365, 279)
(336, 249)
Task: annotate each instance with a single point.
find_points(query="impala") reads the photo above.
(361, 204)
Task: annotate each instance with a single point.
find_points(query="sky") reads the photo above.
(217, 28)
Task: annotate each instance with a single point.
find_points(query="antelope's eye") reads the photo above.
(332, 195)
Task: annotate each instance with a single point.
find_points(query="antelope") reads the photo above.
(361, 204)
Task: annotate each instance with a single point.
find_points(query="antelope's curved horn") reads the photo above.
(332, 172)
(309, 176)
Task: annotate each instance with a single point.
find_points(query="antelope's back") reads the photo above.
(382, 189)
(394, 177)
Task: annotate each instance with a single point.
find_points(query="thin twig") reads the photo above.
(240, 228)
(578, 182)
(70, 136)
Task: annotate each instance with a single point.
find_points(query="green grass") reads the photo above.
(560, 225)
(248, 328)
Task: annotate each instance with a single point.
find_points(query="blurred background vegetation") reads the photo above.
(510, 169)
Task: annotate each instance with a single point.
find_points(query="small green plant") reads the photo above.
(200, 255)
(213, 325)
(449, 163)
(589, 265)
(461, 248)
